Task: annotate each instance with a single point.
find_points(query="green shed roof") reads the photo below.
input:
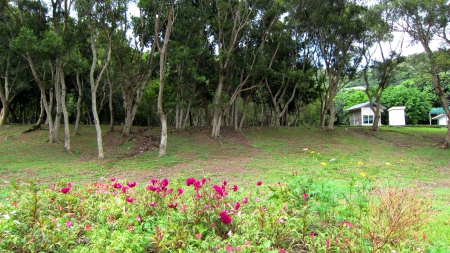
(439, 110)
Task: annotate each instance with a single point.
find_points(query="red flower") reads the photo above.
(65, 190)
(87, 228)
(259, 183)
(112, 179)
(180, 191)
(225, 218)
(129, 200)
(151, 188)
(190, 181)
(173, 205)
(203, 180)
(235, 188)
(117, 185)
(224, 182)
(154, 181)
(124, 189)
(131, 184)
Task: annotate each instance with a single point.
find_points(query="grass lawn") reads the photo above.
(395, 156)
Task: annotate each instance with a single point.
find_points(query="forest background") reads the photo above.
(216, 63)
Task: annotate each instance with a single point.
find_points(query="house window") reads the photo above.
(367, 119)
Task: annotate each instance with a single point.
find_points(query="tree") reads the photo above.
(102, 18)
(338, 27)
(423, 20)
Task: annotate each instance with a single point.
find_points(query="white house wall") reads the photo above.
(355, 118)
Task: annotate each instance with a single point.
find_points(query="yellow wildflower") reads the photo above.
(323, 163)
(312, 152)
(388, 163)
(363, 174)
(360, 163)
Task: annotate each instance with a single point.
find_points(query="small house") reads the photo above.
(438, 114)
(362, 115)
(442, 119)
(397, 116)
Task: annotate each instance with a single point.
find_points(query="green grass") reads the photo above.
(395, 156)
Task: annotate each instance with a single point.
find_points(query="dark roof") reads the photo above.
(365, 104)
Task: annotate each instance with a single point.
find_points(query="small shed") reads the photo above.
(397, 116)
(442, 119)
(438, 114)
(362, 115)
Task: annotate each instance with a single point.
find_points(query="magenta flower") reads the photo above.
(113, 179)
(190, 181)
(312, 235)
(180, 191)
(198, 236)
(124, 189)
(153, 204)
(151, 188)
(228, 248)
(197, 185)
(237, 206)
(65, 190)
(173, 205)
(129, 200)
(258, 183)
(348, 224)
(203, 180)
(245, 201)
(117, 185)
(164, 183)
(219, 190)
(305, 196)
(235, 188)
(225, 218)
(139, 219)
(68, 223)
(224, 182)
(154, 181)
(131, 184)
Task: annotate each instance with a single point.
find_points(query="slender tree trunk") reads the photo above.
(4, 112)
(244, 111)
(111, 108)
(80, 85)
(162, 74)
(217, 117)
(57, 94)
(65, 113)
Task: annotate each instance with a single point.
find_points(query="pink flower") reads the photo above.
(68, 223)
(113, 179)
(198, 236)
(225, 218)
(245, 201)
(129, 200)
(219, 190)
(203, 180)
(228, 248)
(151, 188)
(87, 228)
(154, 181)
(164, 183)
(124, 189)
(328, 244)
(237, 206)
(131, 184)
(197, 185)
(235, 188)
(153, 204)
(173, 205)
(348, 224)
(312, 235)
(224, 182)
(305, 196)
(65, 190)
(280, 250)
(117, 185)
(180, 191)
(258, 183)
(190, 181)
(138, 218)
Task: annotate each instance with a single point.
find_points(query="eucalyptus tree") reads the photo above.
(102, 17)
(231, 24)
(423, 21)
(337, 27)
(38, 45)
(378, 74)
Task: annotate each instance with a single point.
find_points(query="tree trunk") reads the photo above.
(111, 108)
(65, 113)
(217, 117)
(244, 111)
(57, 94)
(4, 113)
(79, 101)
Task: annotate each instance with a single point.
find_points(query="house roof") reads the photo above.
(397, 108)
(439, 116)
(439, 110)
(366, 104)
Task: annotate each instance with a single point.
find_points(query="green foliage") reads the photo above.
(417, 103)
